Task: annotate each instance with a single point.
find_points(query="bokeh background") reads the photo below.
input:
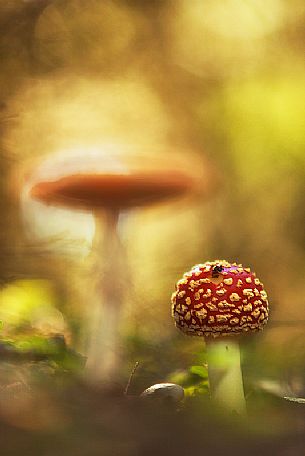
(222, 82)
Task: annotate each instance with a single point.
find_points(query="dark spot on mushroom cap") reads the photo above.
(217, 270)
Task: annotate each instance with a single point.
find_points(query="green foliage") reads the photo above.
(200, 371)
(194, 380)
(201, 389)
(51, 351)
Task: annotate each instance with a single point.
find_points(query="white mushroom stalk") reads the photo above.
(109, 267)
(225, 375)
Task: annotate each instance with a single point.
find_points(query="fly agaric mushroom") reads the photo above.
(106, 184)
(215, 300)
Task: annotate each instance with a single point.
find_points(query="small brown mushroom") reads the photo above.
(166, 392)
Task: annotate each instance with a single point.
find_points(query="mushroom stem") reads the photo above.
(225, 376)
(108, 267)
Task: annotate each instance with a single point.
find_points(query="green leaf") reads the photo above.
(201, 389)
(180, 377)
(201, 371)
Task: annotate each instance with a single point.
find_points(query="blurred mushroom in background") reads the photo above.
(108, 181)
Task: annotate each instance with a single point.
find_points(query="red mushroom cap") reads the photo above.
(218, 298)
(116, 190)
(114, 177)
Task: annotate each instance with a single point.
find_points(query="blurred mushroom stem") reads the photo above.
(225, 376)
(107, 275)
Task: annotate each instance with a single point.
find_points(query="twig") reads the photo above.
(131, 377)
